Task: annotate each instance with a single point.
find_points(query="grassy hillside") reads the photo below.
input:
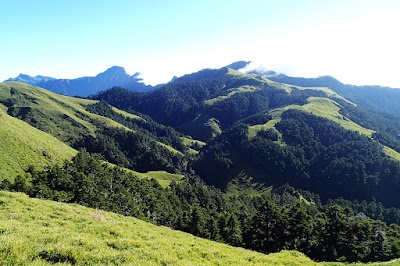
(323, 107)
(123, 138)
(41, 232)
(59, 115)
(164, 178)
(318, 106)
(231, 92)
(205, 103)
(22, 145)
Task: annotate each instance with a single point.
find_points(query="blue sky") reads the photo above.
(355, 41)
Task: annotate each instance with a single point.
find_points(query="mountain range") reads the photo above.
(258, 160)
(232, 111)
(85, 86)
(381, 99)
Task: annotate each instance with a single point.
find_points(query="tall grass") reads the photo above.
(41, 232)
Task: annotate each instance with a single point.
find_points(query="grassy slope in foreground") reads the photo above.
(22, 145)
(42, 232)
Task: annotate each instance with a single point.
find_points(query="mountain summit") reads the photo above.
(85, 86)
(239, 65)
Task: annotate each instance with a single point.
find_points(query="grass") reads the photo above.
(129, 115)
(213, 124)
(391, 153)
(192, 144)
(330, 93)
(163, 177)
(61, 115)
(170, 148)
(261, 80)
(287, 87)
(42, 232)
(22, 145)
(231, 92)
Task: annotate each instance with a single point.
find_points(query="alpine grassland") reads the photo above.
(22, 146)
(61, 116)
(42, 232)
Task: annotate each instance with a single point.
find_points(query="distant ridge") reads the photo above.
(377, 98)
(85, 86)
(29, 79)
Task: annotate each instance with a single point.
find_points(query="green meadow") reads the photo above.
(42, 232)
(22, 145)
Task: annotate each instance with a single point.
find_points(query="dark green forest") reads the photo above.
(182, 101)
(319, 155)
(137, 148)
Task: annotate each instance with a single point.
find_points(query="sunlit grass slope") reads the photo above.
(231, 92)
(261, 80)
(22, 145)
(193, 144)
(318, 106)
(163, 178)
(59, 115)
(41, 232)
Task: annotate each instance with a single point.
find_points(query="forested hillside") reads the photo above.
(204, 103)
(312, 137)
(129, 140)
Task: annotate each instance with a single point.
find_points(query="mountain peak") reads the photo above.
(114, 71)
(238, 65)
